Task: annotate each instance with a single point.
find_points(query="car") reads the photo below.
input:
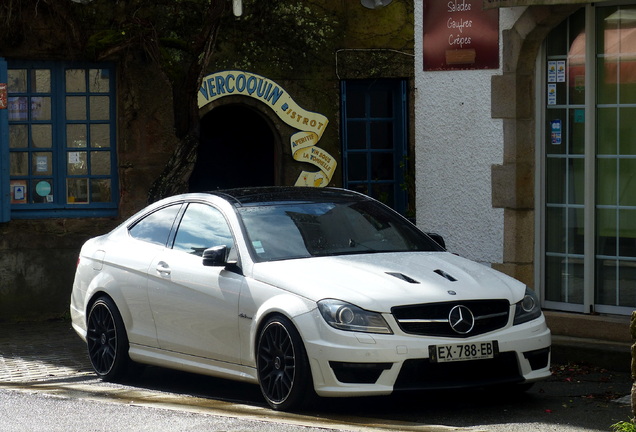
(304, 291)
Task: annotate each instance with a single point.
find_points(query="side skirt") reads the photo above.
(174, 360)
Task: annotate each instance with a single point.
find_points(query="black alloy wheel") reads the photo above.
(282, 365)
(106, 340)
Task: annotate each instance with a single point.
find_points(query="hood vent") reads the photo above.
(445, 275)
(403, 277)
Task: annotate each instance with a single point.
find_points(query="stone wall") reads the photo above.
(37, 264)
(38, 256)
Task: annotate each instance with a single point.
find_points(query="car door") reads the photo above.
(196, 307)
(127, 266)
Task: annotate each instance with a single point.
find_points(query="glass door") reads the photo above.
(589, 162)
(615, 260)
(564, 163)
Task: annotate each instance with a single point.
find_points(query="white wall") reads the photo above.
(456, 143)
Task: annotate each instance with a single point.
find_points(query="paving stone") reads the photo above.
(41, 351)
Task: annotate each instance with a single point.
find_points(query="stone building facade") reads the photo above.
(82, 142)
(546, 145)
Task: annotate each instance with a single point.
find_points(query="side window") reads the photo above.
(155, 228)
(202, 227)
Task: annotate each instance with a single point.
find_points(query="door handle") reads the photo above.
(163, 268)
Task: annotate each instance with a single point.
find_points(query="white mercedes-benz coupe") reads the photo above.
(304, 291)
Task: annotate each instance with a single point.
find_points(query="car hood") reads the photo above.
(380, 281)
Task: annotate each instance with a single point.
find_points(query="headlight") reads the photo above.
(528, 308)
(345, 316)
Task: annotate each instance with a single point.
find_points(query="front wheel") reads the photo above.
(283, 369)
(106, 340)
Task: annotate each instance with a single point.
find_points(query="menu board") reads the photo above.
(460, 35)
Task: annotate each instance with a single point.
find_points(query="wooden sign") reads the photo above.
(460, 35)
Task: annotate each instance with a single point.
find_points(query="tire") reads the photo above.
(282, 366)
(107, 341)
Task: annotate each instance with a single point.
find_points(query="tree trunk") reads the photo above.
(174, 178)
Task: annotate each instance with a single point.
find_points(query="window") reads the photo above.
(61, 140)
(201, 228)
(156, 227)
(589, 162)
(300, 230)
(374, 139)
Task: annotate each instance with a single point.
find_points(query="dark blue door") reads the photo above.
(4, 145)
(374, 137)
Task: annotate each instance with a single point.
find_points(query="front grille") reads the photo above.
(421, 374)
(432, 319)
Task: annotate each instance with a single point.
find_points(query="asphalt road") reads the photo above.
(46, 385)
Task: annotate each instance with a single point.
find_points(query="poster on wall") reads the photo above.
(18, 191)
(460, 35)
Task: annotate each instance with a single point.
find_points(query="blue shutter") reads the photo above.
(5, 201)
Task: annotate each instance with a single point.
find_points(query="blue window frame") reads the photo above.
(374, 137)
(4, 145)
(60, 144)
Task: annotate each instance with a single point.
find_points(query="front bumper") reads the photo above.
(361, 364)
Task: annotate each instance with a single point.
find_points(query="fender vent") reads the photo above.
(403, 277)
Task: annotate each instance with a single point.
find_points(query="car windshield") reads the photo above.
(307, 229)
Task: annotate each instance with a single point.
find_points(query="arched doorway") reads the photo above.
(237, 149)
(513, 101)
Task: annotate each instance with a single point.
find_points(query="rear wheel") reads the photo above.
(106, 340)
(283, 368)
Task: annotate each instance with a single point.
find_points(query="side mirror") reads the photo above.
(437, 238)
(215, 256)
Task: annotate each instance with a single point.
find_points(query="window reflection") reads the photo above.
(288, 231)
(155, 228)
(201, 228)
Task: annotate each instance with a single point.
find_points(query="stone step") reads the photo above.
(609, 355)
(602, 327)
(599, 340)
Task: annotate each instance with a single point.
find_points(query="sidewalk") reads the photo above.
(43, 350)
(37, 351)
(49, 357)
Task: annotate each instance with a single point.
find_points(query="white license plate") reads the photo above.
(463, 352)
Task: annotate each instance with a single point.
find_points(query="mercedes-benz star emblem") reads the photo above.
(461, 319)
